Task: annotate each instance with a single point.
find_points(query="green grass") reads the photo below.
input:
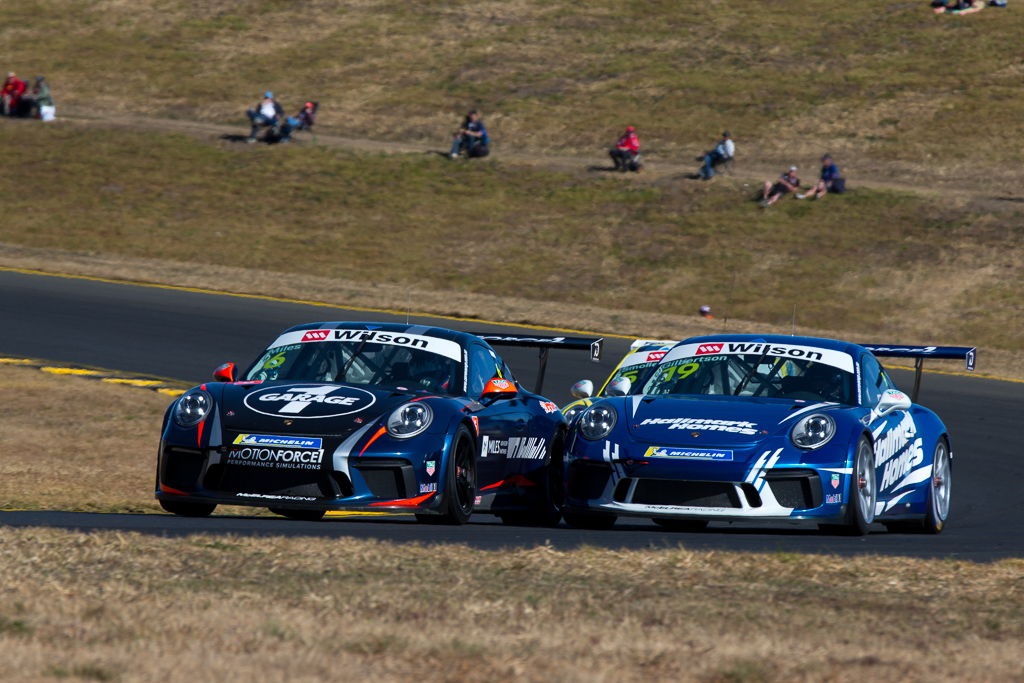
(873, 262)
(874, 80)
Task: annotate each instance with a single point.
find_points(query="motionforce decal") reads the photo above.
(836, 359)
(306, 402)
(703, 425)
(689, 453)
(280, 458)
(442, 347)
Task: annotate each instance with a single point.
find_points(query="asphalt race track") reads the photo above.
(184, 335)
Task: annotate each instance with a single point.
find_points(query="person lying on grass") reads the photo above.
(959, 6)
(787, 182)
(830, 181)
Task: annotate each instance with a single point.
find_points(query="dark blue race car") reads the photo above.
(360, 416)
(744, 427)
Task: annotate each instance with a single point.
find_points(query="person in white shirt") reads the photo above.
(723, 151)
(267, 113)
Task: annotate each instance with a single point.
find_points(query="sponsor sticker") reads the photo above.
(610, 451)
(274, 496)
(502, 384)
(703, 424)
(279, 458)
(476, 424)
(837, 359)
(705, 349)
(656, 355)
(833, 498)
(442, 347)
(527, 448)
(835, 480)
(431, 467)
(309, 402)
(428, 488)
(549, 407)
(273, 440)
(716, 455)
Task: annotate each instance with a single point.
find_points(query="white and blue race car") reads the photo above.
(745, 427)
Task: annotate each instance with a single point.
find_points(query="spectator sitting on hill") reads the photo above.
(625, 151)
(306, 116)
(10, 95)
(959, 6)
(471, 138)
(787, 182)
(265, 114)
(723, 151)
(830, 180)
(42, 100)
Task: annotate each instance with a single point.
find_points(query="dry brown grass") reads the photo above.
(127, 607)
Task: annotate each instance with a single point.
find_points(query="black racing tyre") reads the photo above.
(184, 509)
(676, 524)
(459, 482)
(550, 491)
(584, 520)
(939, 490)
(299, 515)
(861, 494)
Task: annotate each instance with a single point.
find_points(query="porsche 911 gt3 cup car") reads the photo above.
(359, 416)
(744, 427)
(636, 366)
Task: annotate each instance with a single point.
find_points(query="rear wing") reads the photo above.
(593, 345)
(919, 353)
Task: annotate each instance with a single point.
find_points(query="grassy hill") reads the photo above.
(898, 94)
(877, 80)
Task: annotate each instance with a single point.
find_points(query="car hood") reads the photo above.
(723, 421)
(304, 407)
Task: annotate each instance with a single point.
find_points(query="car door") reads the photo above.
(897, 444)
(498, 420)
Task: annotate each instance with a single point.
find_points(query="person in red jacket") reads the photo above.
(10, 96)
(625, 151)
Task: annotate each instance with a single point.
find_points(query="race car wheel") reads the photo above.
(460, 482)
(675, 524)
(582, 520)
(183, 509)
(299, 515)
(861, 494)
(939, 489)
(550, 492)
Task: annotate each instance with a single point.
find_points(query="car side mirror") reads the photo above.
(498, 388)
(618, 387)
(892, 400)
(224, 373)
(582, 389)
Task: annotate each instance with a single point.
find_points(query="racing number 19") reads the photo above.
(679, 371)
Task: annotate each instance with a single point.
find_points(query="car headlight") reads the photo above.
(574, 410)
(598, 421)
(409, 420)
(192, 408)
(813, 431)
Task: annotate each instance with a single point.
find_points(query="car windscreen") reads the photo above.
(752, 374)
(360, 362)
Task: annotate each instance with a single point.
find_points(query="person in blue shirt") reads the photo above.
(471, 138)
(829, 181)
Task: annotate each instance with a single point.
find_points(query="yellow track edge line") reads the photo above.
(388, 311)
(159, 385)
